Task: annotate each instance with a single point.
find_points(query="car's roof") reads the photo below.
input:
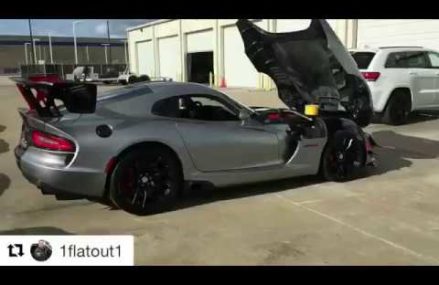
(364, 50)
(134, 99)
(159, 90)
(390, 49)
(157, 87)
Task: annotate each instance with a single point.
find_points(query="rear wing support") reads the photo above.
(75, 97)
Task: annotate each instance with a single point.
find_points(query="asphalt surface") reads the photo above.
(389, 217)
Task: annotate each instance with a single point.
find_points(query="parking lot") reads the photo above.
(389, 217)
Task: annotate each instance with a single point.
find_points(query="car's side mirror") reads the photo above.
(243, 116)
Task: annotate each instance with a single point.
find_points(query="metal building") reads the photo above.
(188, 50)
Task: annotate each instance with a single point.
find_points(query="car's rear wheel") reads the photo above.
(146, 181)
(398, 108)
(343, 156)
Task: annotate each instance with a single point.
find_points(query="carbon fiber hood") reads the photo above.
(310, 66)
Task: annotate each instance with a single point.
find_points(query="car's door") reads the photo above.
(217, 140)
(422, 79)
(433, 58)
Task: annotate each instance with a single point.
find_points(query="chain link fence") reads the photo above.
(62, 70)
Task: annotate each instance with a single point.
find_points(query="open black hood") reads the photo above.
(309, 66)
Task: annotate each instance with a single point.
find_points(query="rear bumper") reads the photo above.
(65, 181)
(377, 99)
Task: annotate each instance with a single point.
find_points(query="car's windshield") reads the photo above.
(238, 104)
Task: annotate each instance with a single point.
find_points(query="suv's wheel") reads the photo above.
(144, 78)
(398, 108)
(146, 181)
(132, 79)
(344, 154)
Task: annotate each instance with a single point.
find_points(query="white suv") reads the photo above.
(401, 79)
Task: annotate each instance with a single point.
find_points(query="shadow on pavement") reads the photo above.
(407, 146)
(5, 182)
(4, 146)
(393, 154)
(415, 117)
(422, 117)
(205, 196)
(36, 231)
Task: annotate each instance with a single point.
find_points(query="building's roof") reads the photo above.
(44, 40)
(149, 23)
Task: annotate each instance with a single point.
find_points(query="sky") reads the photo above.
(64, 27)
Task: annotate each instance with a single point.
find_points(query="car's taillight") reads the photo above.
(371, 75)
(51, 142)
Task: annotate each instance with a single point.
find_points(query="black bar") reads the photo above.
(32, 43)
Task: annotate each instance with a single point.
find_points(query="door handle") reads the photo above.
(413, 73)
(437, 73)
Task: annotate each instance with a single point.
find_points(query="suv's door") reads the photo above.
(433, 58)
(217, 140)
(413, 65)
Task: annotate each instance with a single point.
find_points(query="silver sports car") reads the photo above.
(142, 144)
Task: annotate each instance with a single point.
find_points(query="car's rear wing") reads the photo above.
(43, 96)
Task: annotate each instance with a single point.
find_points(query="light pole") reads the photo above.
(125, 44)
(109, 40)
(106, 58)
(50, 47)
(39, 52)
(25, 53)
(33, 43)
(35, 54)
(74, 40)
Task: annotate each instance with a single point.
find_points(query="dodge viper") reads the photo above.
(139, 146)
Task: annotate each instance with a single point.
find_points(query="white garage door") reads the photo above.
(376, 33)
(169, 56)
(199, 41)
(238, 70)
(145, 58)
(291, 25)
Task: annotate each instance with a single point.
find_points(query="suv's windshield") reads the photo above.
(362, 58)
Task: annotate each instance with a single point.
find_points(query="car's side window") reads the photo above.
(434, 59)
(195, 107)
(408, 59)
(166, 107)
(206, 108)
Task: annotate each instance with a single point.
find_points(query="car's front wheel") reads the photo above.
(343, 156)
(146, 181)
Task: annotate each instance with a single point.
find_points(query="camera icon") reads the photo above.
(41, 251)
